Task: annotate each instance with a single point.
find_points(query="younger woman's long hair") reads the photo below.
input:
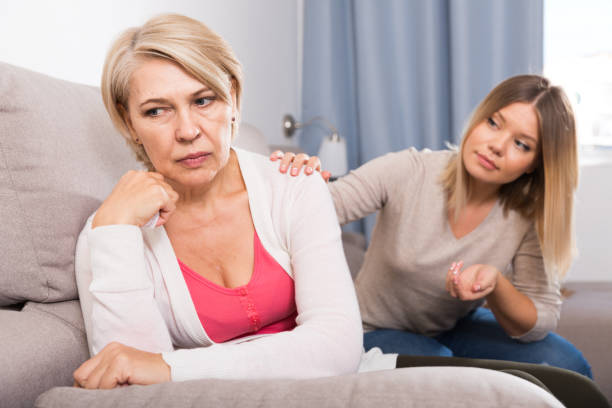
(546, 195)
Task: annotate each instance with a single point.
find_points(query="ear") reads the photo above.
(128, 122)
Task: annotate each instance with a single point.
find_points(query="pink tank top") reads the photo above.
(265, 305)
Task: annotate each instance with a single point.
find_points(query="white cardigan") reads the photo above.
(132, 290)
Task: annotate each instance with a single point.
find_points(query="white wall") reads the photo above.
(594, 218)
(68, 39)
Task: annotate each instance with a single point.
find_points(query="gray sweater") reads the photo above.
(401, 284)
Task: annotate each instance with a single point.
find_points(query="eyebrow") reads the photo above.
(164, 100)
(533, 139)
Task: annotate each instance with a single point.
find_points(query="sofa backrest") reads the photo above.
(59, 157)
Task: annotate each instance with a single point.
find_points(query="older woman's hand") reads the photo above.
(294, 162)
(118, 365)
(136, 198)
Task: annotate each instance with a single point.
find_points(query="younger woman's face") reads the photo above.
(504, 146)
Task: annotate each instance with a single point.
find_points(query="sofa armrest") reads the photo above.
(437, 387)
(41, 347)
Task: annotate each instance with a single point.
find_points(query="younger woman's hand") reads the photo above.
(293, 163)
(118, 365)
(136, 198)
(474, 282)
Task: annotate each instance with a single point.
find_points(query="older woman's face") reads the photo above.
(184, 127)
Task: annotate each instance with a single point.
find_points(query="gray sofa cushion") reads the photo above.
(59, 156)
(407, 387)
(41, 347)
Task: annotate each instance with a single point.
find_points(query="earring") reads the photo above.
(197, 132)
(233, 118)
(136, 140)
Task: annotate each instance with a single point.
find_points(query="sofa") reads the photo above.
(59, 157)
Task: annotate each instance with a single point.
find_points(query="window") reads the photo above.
(578, 56)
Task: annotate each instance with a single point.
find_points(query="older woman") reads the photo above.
(227, 282)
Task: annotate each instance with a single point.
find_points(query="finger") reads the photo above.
(286, 161)
(171, 194)
(277, 154)
(298, 162)
(93, 378)
(156, 176)
(314, 164)
(82, 373)
(448, 280)
(326, 175)
(484, 279)
(456, 281)
(111, 376)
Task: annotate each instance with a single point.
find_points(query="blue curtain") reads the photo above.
(391, 74)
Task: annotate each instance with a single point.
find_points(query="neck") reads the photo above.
(227, 181)
(483, 193)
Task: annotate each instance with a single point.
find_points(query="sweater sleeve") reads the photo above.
(529, 277)
(116, 290)
(367, 189)
(328, 338)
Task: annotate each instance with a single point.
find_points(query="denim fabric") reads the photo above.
(478, 335)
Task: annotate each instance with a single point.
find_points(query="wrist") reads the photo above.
(103, 218)
(496, 282)
(165, 368)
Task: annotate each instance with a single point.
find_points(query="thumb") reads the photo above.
(483, 280)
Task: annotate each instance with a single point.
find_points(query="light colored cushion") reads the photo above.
(59, 157)
(432, 387)
(41, 347)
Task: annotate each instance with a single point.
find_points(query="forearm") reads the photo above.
(514, 311)
(115, 292)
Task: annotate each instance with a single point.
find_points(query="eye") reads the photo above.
(154, 112)
(524, 147)
(204, 101)
(492, 122)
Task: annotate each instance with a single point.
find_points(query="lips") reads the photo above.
(485, 162)
(194, 159)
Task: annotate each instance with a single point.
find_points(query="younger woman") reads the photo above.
(490, 222)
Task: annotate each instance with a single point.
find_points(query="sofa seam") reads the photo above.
(61, 319)
(23, 218)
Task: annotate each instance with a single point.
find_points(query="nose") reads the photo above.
(497, 144)
(186, 129)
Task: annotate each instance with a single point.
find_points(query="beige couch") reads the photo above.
(59, 157)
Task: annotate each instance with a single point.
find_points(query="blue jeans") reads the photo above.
(478, 335)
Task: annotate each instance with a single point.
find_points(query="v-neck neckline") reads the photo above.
(491, 213)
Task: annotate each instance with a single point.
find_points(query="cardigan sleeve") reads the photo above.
(529, 277)
(116, 290)
(367, 189)
(328, 338)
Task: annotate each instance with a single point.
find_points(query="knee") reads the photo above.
(559, 352)
(403, 342)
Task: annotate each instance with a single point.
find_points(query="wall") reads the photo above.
(68, 39)
(593, 218)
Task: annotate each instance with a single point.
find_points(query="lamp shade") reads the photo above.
(333, 155)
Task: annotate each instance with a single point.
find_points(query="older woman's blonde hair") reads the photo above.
(185, 41)
(545, 195)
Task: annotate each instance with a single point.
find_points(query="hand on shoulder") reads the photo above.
(292, 164)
